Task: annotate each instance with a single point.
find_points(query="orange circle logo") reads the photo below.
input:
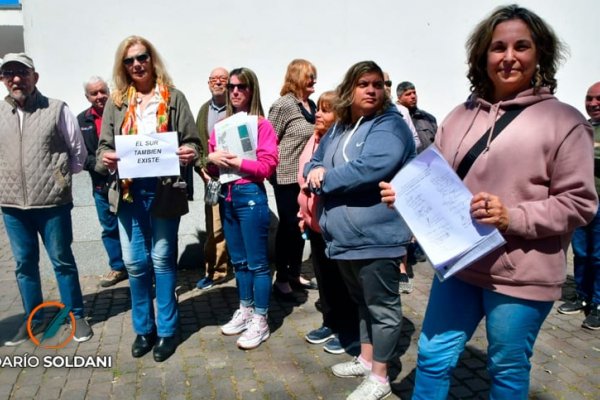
(53, 326)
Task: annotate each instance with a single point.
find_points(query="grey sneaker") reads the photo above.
(406, 285)
(350, 369)
(592, 321)
(21, 336)
(370, 390)
(572, 307)
(113, 277)
(83, 330)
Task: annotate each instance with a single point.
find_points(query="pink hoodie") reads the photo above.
(542, 168)
(306, 200)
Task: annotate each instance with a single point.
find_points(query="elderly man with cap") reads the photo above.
(40, 148)
(424, 123)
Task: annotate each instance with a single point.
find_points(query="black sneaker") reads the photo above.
(21, 336)
(592, 321)
(573, 307)
(83, 330)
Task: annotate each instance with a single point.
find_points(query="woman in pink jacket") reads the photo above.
(340, 314)
(534, 182)
(245, 213)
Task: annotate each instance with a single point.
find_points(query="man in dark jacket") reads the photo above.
(90, 122)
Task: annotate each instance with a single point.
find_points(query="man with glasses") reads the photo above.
(90, 121)
(40, 148)
(215, 250)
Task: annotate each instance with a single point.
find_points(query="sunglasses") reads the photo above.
(388, 83)
(239, 86)
(141, 58)
(11, 73)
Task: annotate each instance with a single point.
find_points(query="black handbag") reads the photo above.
(170, 200)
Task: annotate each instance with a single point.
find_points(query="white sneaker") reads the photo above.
(370, 390)
(239, 321)
(257, 332)
(350, 369)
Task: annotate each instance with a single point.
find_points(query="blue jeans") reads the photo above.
(149, 251)
(455, 309)
(54, 226)
(110, 231)
(246, 218)
(586, 260)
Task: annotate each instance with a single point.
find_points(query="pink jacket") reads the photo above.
(542, 168)
(308, 201)
(266, 154)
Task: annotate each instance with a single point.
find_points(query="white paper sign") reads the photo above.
(435, 204)
(147, 155)
(238, 135)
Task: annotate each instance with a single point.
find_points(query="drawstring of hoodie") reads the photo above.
(350, 137)
(494, 117)
(465, 134)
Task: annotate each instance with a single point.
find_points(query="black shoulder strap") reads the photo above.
(479, 146)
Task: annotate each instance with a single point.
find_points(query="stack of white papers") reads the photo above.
(435, 204)
(237, 135)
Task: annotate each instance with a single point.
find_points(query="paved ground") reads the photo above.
(207, 365)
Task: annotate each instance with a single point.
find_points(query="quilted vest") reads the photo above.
(34, 163)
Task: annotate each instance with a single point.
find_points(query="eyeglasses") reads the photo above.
(388, 83)
(215, 79)
(141, 58)
(239, 86)
(11, 73)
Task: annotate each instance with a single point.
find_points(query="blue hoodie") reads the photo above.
(355, 224)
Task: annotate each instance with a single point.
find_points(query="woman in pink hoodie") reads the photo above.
(534, 182)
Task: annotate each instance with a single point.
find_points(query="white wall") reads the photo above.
(421, 41)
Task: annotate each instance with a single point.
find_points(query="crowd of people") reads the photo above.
(329, 163)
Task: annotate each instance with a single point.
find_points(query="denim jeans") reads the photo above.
(586, 260)
(149, 251)
(110, 231)
(245, 215)
(56, 230)
(455, 309)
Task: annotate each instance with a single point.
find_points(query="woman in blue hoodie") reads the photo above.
(369, 142)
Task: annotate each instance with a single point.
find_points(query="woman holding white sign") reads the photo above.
(145, 101)
(245, 212)
(532, 179)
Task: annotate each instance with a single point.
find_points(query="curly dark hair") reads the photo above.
(550, 50)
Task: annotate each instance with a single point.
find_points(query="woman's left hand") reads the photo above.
(488, 209)
(186, 155)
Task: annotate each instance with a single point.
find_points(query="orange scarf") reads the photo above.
(129, 126)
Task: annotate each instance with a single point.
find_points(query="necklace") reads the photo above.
(141, 96)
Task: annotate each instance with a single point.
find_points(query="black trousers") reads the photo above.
(289, 244)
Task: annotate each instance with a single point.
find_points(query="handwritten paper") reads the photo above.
(434, 202)
(147, 155)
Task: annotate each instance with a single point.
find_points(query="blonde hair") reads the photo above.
(297, 76)
(121, 78)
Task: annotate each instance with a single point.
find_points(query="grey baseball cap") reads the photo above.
(21, 58)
